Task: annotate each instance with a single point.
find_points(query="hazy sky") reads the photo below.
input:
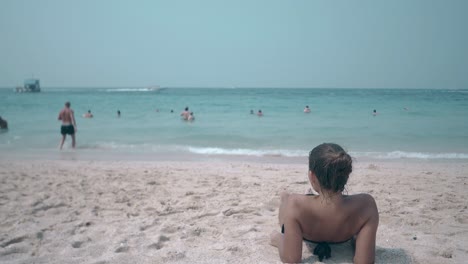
(251, 43)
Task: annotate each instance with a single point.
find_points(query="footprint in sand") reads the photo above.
(272, 205)
(169, 229)
(13, 241)
(233, 249)
(77, 244)
(123, 247)
(197, 231)
(13, 246)
(174, 255)
(47, 207)
(156, 246)
(160, 243)
(13, 250)
(147, 225)
(301, 182)
(79, 241)
(461, 219)
(231, 211)
(445, 253)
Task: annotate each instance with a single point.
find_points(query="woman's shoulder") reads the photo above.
(300, 204)
(294, 200)
(297, 198)
(364, 202)
(365, 197)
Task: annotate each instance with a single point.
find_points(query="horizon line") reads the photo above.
(233, 87)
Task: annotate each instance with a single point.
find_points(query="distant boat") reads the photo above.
(151, 89)
(154, 88)
(30, 86)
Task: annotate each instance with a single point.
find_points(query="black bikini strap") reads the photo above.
(322, 250)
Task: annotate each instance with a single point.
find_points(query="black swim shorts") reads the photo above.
(69, 129)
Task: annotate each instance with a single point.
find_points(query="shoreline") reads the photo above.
(82, 211)
(148, 156)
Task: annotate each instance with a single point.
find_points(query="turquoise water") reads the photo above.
(433, 125)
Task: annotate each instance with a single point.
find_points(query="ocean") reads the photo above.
(410, 123)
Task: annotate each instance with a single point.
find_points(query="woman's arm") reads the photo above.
(289, 244)
(365, 240)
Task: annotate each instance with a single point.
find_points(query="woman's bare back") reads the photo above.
(332, 220)
(336, 220)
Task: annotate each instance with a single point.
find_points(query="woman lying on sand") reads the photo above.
(329, 217)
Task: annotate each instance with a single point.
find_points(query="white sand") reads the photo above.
(218, 212)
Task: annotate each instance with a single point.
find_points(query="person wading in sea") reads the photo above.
(67, 117)
(3, 123)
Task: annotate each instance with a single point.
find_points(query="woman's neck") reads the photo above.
(331, 197)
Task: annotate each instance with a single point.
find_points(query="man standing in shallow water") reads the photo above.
(67, 117)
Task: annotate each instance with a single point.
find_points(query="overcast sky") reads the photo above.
(251, 43)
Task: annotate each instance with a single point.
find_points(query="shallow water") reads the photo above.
(433, 125)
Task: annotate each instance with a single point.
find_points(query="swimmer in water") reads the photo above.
(88, 114)
(185, 114)
(191, 117)
(307, 109)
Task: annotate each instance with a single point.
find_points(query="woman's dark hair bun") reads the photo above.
(332, 166)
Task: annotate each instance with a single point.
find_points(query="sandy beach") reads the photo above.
(214, 212)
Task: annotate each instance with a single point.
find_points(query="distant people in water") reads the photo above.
(374, 113)
(307, 109)
(3, 123)
(191, 117)
(185, 114)
(172, 111)
(251, 112)
(88, 114)
(259, 113)
(67, 117)
(118, 113)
